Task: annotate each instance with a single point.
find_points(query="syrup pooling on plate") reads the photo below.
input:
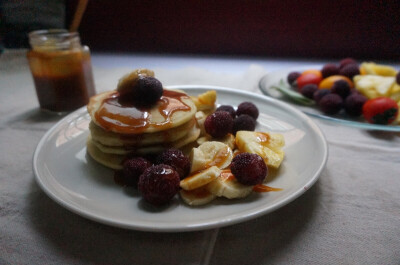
(115, 113)
(264, 188)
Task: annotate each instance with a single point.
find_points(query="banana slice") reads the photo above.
(266, 145)
(196, 197)
(200, 118)
(198, 160)
(212, 153)
(201, 178)
(229, 140)
(227, 186)
(202, 140)
(395, 93)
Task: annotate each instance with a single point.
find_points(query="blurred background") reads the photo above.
(255, 28)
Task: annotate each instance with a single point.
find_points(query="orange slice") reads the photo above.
(328, 82)
(312, 71)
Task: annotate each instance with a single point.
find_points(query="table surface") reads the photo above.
(350, 216)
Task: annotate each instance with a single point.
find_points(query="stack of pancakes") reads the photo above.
(119, 130)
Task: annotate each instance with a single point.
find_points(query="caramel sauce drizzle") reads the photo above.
(263, 138)
(227, 175)
(264, 188)
(218, 160)
(129, 119)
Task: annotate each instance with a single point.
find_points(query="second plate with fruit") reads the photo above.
(373, 85)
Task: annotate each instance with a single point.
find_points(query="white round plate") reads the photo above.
(273, 79)
(71, 178)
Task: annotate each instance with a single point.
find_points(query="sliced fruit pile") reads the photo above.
(368, 89)
(232, 160)
(232, 167)
(229, 160)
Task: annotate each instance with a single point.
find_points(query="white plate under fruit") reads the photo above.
(71, 178)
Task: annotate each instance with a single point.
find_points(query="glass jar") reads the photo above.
(61, 69)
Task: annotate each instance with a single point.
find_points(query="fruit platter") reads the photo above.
(364, 95)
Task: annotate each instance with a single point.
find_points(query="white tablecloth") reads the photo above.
(350, 216)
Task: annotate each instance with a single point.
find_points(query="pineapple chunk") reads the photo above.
(205, 101)
(266, 145)
(378, 69)
(395, 93)
(229, 140)
(373, 86)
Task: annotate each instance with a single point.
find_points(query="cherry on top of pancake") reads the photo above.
(143, 92)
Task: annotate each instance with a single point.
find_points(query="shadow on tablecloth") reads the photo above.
(77, 238)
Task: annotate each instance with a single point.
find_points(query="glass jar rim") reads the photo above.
(54, 39)
(52, 33)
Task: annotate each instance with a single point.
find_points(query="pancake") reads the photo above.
(189, 137)
(172, 110)
(120, 129)
(109, 138)
(111, 158)
(108, 160)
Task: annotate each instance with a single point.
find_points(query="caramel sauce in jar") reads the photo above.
(127, 118)
(61, 70)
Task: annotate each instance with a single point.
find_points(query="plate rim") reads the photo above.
(203, 225)
(354, 124)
